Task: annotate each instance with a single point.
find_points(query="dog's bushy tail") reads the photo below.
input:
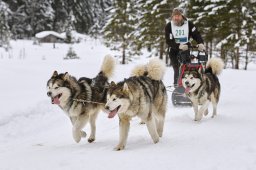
(108, 66)
(216, 65)
(154, 69)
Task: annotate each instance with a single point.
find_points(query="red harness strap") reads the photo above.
(187, 67)
(183, 67)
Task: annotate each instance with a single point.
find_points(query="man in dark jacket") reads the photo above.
(177, 34)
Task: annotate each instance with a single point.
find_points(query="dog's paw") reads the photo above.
(213, 116)
(90, 140)
(76, 135)
(142, 123)
(199, 115)
(206, 112)
(77, 138)
(156, 140)
(119, 147)
(83, 134)
(160, 134)
(197, 119)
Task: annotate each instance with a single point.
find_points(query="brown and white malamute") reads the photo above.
(203, 88)
(81, 99)
(143, 95)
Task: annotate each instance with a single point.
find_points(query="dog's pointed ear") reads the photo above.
(66, 76)
(125, 87)
(55, 74)
(112, 84)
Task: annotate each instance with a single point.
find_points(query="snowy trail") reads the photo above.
(34, 134)
(40, 138)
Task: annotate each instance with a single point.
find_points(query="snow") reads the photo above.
(75, 35)
(209, 6)
(46, 33)
(34, 134)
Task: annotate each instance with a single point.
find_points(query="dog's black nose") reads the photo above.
(187, 83)
(49, 93)
(107, 107)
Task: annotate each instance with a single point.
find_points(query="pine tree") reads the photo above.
(69, 28)
(71, 54)
(153, 15)
(236, 31)
(17, 18)
(119, 28)
(4, 27)
(30, 16)
(60, 16)
(39, 16)
(100, 16)
(203, 16)
(248, 26)
(228, 23)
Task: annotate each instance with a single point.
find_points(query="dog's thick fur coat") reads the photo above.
(67, 92)
(143, 95)
(203, 88)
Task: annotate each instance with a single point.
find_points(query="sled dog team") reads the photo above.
(143, 94)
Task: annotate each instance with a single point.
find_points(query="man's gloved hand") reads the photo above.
(201, 47)
(183, 47)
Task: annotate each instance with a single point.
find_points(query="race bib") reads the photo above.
(180, 33)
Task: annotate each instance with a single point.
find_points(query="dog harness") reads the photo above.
(189, 67)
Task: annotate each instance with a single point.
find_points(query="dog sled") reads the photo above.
(192, 59)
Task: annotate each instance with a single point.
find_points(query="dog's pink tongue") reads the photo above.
(187, 90)
(112, 113)
(56, 100)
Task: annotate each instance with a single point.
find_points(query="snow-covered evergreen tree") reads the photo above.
(118, 31)
(230, 24)
(39, 15)
(99, 16)
(4, 27)
(70, 27)
(203, 16)
(71, 54)
(30, 16)
(150, 28)
(60, 16)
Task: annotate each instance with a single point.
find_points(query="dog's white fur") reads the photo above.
(155, 68)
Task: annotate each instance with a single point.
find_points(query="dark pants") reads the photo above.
(173, 54)
(177, 58)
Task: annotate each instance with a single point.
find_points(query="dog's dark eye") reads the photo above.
(114, 99)
(191, 78)
(56, 87)
(195, 75)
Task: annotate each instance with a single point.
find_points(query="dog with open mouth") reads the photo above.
(81, 99)
(143, 95)
(203, 87)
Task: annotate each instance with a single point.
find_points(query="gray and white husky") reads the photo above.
(143, 95)
(203, 88)
(68, 92)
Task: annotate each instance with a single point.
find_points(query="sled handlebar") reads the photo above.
(191, 47)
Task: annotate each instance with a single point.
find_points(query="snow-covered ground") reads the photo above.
(35, 135)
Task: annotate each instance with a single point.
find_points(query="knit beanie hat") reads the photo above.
(178, 11)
